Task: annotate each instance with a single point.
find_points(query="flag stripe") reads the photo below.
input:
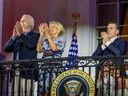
(73, 51)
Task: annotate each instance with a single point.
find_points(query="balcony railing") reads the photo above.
(108, 74)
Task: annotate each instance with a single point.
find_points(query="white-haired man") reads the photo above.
(23, 44)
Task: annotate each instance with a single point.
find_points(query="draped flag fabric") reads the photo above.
(73, 52)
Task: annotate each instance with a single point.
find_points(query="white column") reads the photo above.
(1, 22)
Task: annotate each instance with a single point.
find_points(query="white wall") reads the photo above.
(86, 32)
(1, 20)
(86, 40)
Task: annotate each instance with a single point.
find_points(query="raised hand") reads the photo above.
(14, 32)
(105, 37)
(17, 30)
(43, 27)
(41, 31)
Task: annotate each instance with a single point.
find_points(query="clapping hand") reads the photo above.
(105, 37)
(43, 28)
(17, 29)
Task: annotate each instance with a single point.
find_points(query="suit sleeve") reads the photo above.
(29, 41)
(9, 46)
(98, 51)
(118, 50)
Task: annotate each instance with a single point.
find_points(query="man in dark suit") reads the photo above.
(23, 44)
(111, 45)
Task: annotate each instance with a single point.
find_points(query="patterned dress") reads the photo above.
(44, 74)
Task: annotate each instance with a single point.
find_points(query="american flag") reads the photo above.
(73, 52)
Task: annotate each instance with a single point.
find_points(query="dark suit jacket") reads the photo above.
(25, 45)
(2, 57)
(117, 48)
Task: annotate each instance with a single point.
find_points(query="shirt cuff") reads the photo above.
(103, 47)
(12, 38)
(108, 43)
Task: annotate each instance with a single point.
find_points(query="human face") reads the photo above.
(53, 30)
(24, 23)
(112, 30)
